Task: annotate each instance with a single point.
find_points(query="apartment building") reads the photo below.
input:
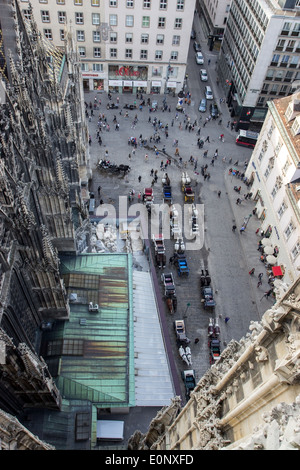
(273, 169)
(259, 58)
(125, 46)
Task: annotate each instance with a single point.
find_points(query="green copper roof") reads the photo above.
(96, 349)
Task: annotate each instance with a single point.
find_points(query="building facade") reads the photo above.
(124, 46)
(249, 399)
(213, 18)
(44, 157)
(259, 58)
(271, 170)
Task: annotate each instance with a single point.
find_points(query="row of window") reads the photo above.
(113, 37)
(288, 45)
(94, 3)
(163, 4)
(113, 19)
(113, 54)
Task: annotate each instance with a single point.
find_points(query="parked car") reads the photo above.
(188, 377)
(193, 34)
(202, 106)
(214, 350)
(203, 75)
(214, 110)
(208, 93)
(199, 58)
(207, 297)
(197, 46)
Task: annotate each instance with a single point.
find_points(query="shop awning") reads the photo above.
(277, 271)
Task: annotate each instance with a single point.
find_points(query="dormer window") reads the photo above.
(296, 126)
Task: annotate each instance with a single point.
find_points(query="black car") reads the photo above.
(193, 34)
(196, 46)
(214, 111)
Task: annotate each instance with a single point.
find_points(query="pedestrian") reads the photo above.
(260, 276)
(259, 283)
(207, 139)
(219, 193)
(139, 179)
(196, 340)
(251, 272)
(233, 228)
(227, 319)
(139, 196)
(99, 190)
(257, 231)
(267, 294)
(242, 229)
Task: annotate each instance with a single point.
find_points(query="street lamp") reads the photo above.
(187, 307)
(246, 220)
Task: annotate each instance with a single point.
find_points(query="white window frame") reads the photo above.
(113, 20)
(97, 52)
(80, 35)
(178, 23)
(45, 15)
(62, 17)
(96, 36)
(289, 230)
(96, 18)
(129, 21)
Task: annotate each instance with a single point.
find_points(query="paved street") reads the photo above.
(229, 256)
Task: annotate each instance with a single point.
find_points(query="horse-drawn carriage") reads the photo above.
(167, 190)
(175, 223)
(213, 340)
(169, 285)
(106, 165)
(182, 265)
(186, 187)
(167, 194)
(148, 198)
(160, 250)
(193, 221)
(170, 291)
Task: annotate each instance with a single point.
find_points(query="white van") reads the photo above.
(208, 93)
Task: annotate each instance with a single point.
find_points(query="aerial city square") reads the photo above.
(150, 224)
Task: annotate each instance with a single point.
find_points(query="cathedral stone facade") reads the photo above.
(43, 162)
(249, 399)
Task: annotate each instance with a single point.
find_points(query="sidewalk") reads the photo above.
(249, 239)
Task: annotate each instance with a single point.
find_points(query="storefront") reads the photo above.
(156, 86)
(92, 81)
(171, 87)
(124, 79)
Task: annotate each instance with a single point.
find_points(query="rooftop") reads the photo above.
(92, 354)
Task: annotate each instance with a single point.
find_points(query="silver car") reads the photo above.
(203, 75)
(202, 106)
